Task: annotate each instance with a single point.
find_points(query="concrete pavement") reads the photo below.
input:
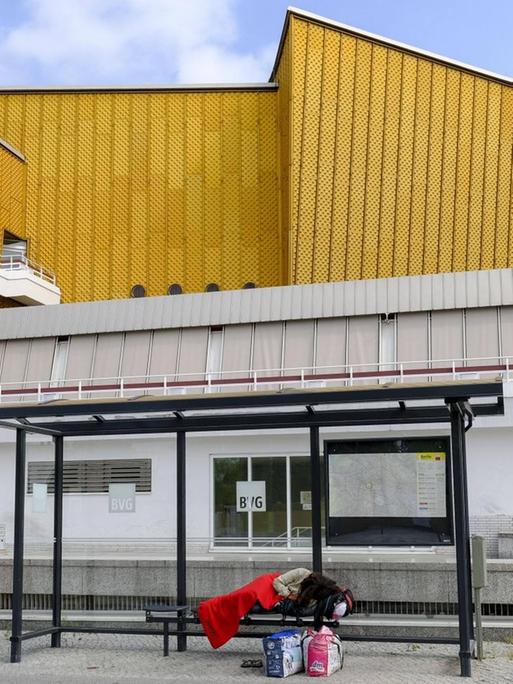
(91, 659)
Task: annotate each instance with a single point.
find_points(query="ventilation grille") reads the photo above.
(87, 602)
(427, 609)
(92, 477)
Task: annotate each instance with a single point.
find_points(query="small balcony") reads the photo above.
(27, 282)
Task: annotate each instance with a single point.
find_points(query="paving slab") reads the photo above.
(121, 659)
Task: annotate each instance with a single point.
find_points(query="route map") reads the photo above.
(387, 485)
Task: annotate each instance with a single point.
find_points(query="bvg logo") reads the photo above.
(250, 496)
(253, 503)
(122, 498)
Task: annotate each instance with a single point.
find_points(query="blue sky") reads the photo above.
(66, 42)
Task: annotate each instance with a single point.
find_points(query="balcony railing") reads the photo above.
(260, 380)
(19, 263)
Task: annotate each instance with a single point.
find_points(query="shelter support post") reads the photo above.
(19, 524)
(468, 543)
(316, 478)
(181, 538)
(461, 526)
(57, 539)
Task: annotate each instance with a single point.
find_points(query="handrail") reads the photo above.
(254, 380)
(22, 263)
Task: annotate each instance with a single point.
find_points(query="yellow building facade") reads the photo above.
(150, 188)
(360, 159)
(12, 199)
(396, 163)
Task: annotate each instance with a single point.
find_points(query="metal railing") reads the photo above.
(306, 377)
(218, 546)
(22, 263)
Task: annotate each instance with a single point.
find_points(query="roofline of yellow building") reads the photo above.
(271, 84)
(381, 40)
(12, 150)
(186, 87)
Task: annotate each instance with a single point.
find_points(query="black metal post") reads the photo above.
(315, 484)
(17, 564)
(467, 516)
(181, 536)
(57, 539)
(461, 527)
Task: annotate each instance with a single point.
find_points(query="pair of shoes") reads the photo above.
(252, 663)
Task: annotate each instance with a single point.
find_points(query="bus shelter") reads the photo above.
(455, 404)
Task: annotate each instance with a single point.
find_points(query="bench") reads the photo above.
(182, 615)
(165, 614)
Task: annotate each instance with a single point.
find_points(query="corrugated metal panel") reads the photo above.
(404, 168)
(12, 194)
(381, 40)
(482, 334)
(12, 150)
(394, 295)
(15, 361)
(198, 168)
(39, 365)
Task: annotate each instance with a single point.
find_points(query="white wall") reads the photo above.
(490, 471)
(490, 474)
(87, 516)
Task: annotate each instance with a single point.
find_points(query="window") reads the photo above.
(230, 527)
(92, 477)
(387, 342)
(13, 247)
(286, 521)
(215, 352)
(60, 359)
(270, 526)
(300, 501)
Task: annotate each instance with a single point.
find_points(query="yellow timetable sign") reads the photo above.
(431, 456)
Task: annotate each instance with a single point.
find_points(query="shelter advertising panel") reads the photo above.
(389, 492)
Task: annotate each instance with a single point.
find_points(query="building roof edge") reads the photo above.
(405, 294)
(7, 146)
(185, 87)
(382, 40)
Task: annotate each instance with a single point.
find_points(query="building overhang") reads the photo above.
(26, 286)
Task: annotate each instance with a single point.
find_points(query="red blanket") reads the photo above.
(220, 615)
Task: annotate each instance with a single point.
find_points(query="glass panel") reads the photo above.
(215, 353)
(230, 527)
(300, 499)
(391, 492)
(59, 359)
(270, 527)
(387, 344)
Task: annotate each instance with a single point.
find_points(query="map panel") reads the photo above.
(387, 485)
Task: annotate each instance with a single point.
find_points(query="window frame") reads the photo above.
(250, 540)
(449, 517)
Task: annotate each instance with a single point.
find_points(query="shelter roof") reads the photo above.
(344, 405)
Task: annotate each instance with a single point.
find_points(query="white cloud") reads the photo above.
(128, 42)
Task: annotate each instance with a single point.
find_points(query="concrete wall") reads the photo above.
(381, 581)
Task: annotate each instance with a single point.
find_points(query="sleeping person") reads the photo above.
(298, 592)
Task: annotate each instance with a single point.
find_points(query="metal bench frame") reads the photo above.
(182, 615)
